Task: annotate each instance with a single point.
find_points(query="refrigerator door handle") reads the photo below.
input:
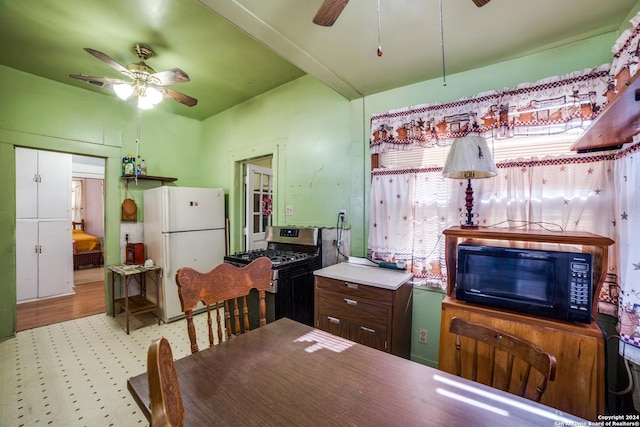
(165, 206)
(167, 254)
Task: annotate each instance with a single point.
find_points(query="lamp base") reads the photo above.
(467, 226)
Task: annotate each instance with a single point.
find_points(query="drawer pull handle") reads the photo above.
(373, 331)
(351, 285)
(333, 319)
(350, 301)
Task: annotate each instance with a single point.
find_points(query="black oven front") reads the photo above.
(295, 253)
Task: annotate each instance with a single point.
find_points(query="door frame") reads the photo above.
(275, 149)
(250, 170)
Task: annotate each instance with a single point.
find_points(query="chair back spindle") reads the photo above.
(225, 288)
(503, 354)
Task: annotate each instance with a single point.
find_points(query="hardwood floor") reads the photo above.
(87, 300)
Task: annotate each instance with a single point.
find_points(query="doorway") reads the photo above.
(258, 196)
(88, 296)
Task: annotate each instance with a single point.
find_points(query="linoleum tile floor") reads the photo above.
(75, 373)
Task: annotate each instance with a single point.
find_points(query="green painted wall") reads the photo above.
(7, 243)
(426, 315)
(43, 114)
(315, 138)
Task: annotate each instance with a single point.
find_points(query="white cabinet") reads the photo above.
(44, 260)
(43, 184)
(44, 257)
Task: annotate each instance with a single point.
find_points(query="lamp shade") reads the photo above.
(469, 157)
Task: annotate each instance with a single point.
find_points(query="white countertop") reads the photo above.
(366, 274)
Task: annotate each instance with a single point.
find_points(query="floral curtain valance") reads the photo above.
(553, 105)
(548, 106)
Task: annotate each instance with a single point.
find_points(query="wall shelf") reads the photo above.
(162, 179)
(617, 124)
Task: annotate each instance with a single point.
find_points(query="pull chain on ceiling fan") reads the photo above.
(379, 38)
(444, 73)
(146, 85)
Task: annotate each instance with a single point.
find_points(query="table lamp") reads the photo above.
(469, 157)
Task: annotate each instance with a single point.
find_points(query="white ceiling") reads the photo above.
(234, 50)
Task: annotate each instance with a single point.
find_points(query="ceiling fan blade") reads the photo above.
(178, 96)
(329, 11)
(97, 81)
(175, 75)
(109, 61)
(480, 3)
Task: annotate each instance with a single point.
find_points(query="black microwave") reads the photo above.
(545, 283)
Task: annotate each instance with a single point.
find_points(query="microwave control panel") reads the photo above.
(580, 286)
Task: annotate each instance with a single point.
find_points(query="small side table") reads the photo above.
(134, 304)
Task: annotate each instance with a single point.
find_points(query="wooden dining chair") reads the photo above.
(165, 400)
(225, 288)
(496, 363)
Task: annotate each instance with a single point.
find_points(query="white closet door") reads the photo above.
(26, 183)
(54, 187)
(43, 184)
(26, 260)
(55, 263)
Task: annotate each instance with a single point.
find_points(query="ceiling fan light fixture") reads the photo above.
(154, 95)
(144, 103)
(123, 90)
(143, 78)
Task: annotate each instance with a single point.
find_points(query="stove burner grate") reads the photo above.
(276, 256)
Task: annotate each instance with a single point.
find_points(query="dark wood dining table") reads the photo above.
(287, 373)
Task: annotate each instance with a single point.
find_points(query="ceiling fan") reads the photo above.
(330, 10)
(145, 84)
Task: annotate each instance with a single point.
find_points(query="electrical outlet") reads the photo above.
(288, 210)
(343, 215)
(422, 336)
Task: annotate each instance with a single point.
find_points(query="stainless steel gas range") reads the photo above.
(295, 253)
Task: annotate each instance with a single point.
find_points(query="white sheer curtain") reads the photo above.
(410, 208)
(628, 208)
(77, 199)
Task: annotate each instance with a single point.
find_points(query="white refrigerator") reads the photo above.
(183, 227)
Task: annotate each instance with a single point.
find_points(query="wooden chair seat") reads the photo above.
(165, 400)
(229, 285)
(498, 357)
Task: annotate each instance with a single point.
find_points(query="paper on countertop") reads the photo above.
(361, 261)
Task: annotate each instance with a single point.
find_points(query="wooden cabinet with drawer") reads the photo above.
(370, 315)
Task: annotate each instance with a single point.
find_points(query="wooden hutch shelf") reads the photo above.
(592, 243)
(579, 349)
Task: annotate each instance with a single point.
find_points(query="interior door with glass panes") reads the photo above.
(258, 205)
